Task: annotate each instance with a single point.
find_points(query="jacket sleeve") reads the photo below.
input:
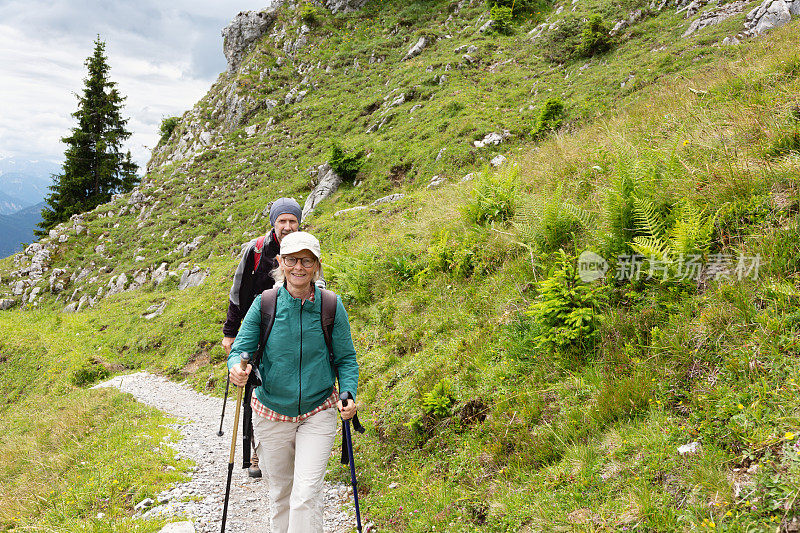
(249, 334)
(235, 314)
(344, 353)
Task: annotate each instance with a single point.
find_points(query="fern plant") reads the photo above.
(689, 236)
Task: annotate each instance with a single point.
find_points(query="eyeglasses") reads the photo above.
(290, 261)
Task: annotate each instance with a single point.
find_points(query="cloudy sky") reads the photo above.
(164, 56)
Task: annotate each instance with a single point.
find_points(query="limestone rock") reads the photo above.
(769, 15)
(715, 16)
(436, 181)
(492, 138)
(328, 182)
(344, 6)
(690, 449)
(388, 199)
(6, 303)
(160, 274)
(498, 161)
(417, 49)
(244, 30)
(155, 310)
(117, 284)
(192, 278)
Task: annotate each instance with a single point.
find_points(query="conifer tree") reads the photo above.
(95, 166)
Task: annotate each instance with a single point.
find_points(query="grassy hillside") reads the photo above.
(501, 392)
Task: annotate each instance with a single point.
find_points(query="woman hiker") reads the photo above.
(294, 423)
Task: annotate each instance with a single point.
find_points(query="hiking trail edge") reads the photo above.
(198, 422)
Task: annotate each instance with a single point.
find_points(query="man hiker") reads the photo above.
(251, 278)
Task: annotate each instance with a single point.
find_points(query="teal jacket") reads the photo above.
(295, 368)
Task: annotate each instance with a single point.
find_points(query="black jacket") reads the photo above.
(247, 283)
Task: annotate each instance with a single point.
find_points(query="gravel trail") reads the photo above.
(199, 422)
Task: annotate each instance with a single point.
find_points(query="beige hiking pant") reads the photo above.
(293, 458)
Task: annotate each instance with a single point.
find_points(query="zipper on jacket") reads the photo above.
(300, 374)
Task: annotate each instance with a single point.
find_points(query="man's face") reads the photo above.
(284, 225)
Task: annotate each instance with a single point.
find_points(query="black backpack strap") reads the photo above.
(328, 316)
(269, 302)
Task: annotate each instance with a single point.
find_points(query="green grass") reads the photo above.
(439, 286)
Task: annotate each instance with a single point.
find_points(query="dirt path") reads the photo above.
(200, 499)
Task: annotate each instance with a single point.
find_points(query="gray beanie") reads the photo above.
(283, 206)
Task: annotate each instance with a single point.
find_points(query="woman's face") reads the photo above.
(298, 275)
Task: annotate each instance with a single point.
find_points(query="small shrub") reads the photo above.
(404, 266)
(566, 312)
(439, 400)
(88, 373)
(502, 17)
(436, 405)
(561, 43)
(449, 256)
(344, 164)
(494, 198)
(353, 278)
(519, 7)
(550, 117)
(168, 125)
(594, 38)
(308, 13)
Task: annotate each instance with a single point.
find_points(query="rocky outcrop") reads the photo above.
(769, 15)
(328, 182)
(243, 31)
(715, 16)
(417, 49)
(192, 277)
(344, 6)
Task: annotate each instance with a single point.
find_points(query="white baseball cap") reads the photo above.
(298, 241)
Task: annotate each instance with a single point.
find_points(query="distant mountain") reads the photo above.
(18, 228)
(24, 183)
(10, 204)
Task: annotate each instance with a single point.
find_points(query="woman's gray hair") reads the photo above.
(279, 277)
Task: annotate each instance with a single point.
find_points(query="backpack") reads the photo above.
(257, 252)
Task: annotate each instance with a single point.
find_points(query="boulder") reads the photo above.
(492, 138)
(769, 15)
(6, 303)
(498, 161)
(328, 182)
(160, 274)
(715, 16)
(436, 181)
(192, 278)
(155, 310)
(388, 199)
(244, 30)
(345, 6)
(417, 49)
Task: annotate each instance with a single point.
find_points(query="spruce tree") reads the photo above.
(95, 166)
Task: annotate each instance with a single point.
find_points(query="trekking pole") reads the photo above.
(245, 359)
(345, 397)
(224, 401)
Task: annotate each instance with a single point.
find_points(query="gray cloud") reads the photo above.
(163, 57)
